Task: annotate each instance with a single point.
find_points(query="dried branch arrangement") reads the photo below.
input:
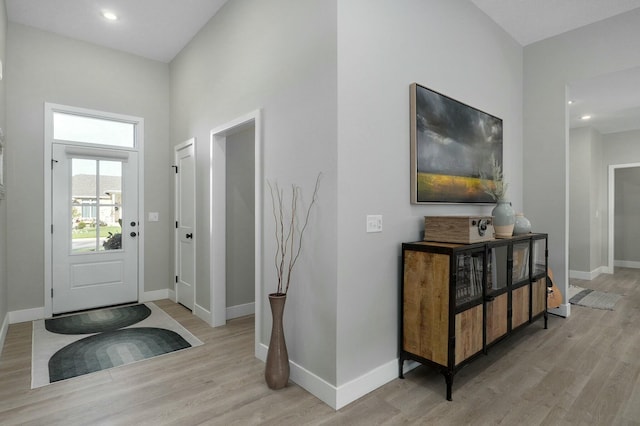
(496, 187)
(288, 231)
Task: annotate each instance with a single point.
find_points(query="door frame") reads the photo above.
(49, 109)
(176, 202)
(217, 218)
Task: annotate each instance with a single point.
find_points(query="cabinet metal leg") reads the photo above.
(448, 377)
(401, 367)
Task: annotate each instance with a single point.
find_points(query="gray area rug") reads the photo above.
(593, 298)
(74, 345)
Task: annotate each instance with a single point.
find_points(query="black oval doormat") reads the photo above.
(111, 349)
(98, 321)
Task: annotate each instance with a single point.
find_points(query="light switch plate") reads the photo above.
(374, 223)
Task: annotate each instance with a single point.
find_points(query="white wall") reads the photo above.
(383, 47)
(280, 57)
(43, 67)
(549, 66)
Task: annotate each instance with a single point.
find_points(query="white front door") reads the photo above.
(95, 227)
(185, 185)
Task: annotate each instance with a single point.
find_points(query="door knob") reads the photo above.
(133, 234)
(190, 235)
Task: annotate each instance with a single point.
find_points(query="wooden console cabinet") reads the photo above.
(460, 299)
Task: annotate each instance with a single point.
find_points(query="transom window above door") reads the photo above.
(92, 130)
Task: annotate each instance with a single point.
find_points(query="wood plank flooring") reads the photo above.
(582, 370)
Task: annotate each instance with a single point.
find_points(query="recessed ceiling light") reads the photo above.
(570, 102)
(585, 117)
(109, 15)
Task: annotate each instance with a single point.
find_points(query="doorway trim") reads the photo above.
(49, 109)
(611, 210)
(217, 217)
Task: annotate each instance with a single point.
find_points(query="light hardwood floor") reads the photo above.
(582, 370)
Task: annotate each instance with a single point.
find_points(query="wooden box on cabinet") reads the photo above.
(460, 299)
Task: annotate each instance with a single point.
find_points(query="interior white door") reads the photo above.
(185, 236)
(95, 227)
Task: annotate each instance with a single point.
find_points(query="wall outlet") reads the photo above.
(374, 223)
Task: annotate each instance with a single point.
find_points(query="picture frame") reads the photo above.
(452, 146)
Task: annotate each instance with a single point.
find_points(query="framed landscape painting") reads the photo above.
(452, 145)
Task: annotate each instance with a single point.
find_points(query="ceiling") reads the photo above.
(528, 21)
(611, 100)
(159, 29)
(154, 29)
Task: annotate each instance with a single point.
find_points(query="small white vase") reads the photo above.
(522, 225)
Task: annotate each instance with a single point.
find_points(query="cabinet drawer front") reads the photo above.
(468, 333)
(497, 317)
(539, 296)
(426, 305)
(520, 306)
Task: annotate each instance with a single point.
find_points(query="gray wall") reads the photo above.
(359, 58)
(280, 57)
(597, 178)
(627, 209)
(240, 207)
(383, 47)
(4, 306)
(549, 65)
(585, 194)
(43, 67)
(580, 190)
(619, 149)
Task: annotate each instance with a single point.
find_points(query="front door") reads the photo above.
(95, 227)
(185, 223)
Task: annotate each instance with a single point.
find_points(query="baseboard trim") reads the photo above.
(172, 296)
(626, 264)
(563, 310)
(150, 296)
(202, 313)
(238, 311)
(3, 331)
(25, 315)
(589, 276)
(338, 397)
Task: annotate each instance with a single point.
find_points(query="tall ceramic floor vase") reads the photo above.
(504, 218)
(276, 372)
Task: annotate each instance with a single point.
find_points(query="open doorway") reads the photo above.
(235, 177)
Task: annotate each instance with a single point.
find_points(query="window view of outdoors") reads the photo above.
(96, 185)
(96, 205)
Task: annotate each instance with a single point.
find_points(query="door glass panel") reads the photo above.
(96, 205)
(80, 128)
(111, 204)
